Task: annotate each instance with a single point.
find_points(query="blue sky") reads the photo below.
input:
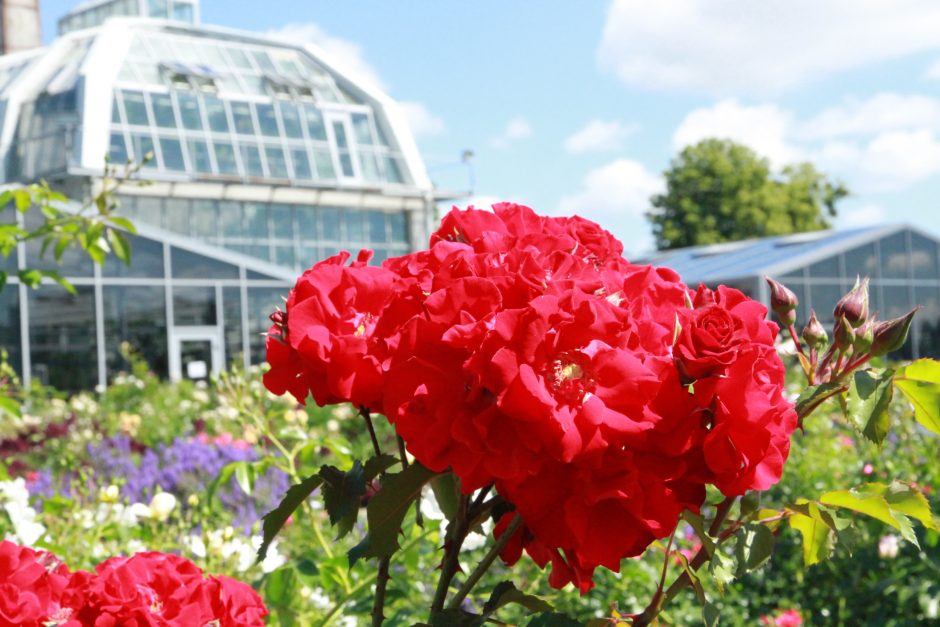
(578, 107)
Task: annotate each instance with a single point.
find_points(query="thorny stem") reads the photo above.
(485, 563)
(456, 532)
(796, 339)
(381, 583)
(375, 441)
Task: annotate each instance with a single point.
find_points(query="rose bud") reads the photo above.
(814, 333)
(864, 336)
(854, 305)
(890, 335)
(842, 334)
(783, 302)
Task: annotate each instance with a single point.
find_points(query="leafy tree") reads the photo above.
(720, 191)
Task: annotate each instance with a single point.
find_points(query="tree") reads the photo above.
(720, 191)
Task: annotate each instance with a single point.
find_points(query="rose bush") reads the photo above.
(522, 352)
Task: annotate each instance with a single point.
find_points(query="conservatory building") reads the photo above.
(260, 157)
(902, 262)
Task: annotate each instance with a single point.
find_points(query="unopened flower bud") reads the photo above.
(890, 335)
(842, 334)
(193, 500)
(814, 333)
(864, 336)
(110, 494)
(783, 302)
(854, 305)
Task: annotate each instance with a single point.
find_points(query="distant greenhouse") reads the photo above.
(903, 263)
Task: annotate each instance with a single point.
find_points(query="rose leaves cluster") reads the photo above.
(600, 397)
(147, 589)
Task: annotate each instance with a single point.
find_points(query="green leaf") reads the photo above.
(386, 511)
(245, 476)
(867, 403)
(698, 524)
(275, 519)
(120, 246)
(377, 465)
(10, 406)
(5, 198)
(920, 383)
(23, 200)
(553, 619)
(124, 223)
(910, 501)
(755, 545)
(506, 592)
(710, 615)
(446, 490)
(279, 587)
(342, 495)
(721, 568)
(815, 395)
(871, 503)
(816, 529)
(30, 277)
(61, 280)
(455, 617)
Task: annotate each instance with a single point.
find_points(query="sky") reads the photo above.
(579, 107)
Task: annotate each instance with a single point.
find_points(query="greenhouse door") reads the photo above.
(195, 353)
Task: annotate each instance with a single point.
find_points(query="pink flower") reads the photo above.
(867, 469)
(790, 618)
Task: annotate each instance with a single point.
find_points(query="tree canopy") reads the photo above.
(721, 191)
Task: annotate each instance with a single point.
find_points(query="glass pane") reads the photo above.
(309, 255)
(189, 265)
(146, 260)
(150, 210)
(330, 224)
(370, 166)
(225, 158)
(205, 222)
(377, 231)
(62, 337)
(239, 58)
(135, 109)
(282, 221)
(143, 148)
(307, 224)
(115, 111)
(823, 299)
(339, 131)
(232, 325)
(924, 257)
(215, 112)
(136, 315)
(300, 163)
(183, 12)
(241, 116)
(261, 58)
(277, 164)
(894, 257)
(345, 162)
(284, 256)
(393, 170)
(290, 117)
(251, 159)
(230, 217)
(194, 306)
(74, 261)
(315, 128)
(10, 327)
(324, 163)
(398, 225)
(826, 269)
(199, 155)
(163, 110)
(261, 302)
(256, 220)
(355, 226)
(861, 261)
(362, 128)
(267, 119)
(117, 150)
(157, 8)
(189, 111)
(172, 154)
(196, 359)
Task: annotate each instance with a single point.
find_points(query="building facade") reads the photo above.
(902, 262)
(261, 158)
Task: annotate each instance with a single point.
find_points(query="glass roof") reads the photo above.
(95, 12)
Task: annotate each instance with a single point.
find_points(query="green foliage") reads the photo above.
(867, 403)
(720, 191)
(920, 383)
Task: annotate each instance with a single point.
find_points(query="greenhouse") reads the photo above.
(260, 157)
(902, 262)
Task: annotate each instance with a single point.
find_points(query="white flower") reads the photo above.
(272, 560)
(317, 597)
(888, 546)
(135, 546)
(195, 545)
(162, 505)
(138, 511)
(15, 499)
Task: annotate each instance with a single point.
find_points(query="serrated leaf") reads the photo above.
(506, 592)
(755, 545)
(120, 246)
(446, 490)
(816, 527)
(867, 402)
(386, 511)
(920, 383)
(377, 465)
(456, 617)
(710, 615)
(815, 395)
(871, 504)
(721, 568)
(342, 495)
(275, 519)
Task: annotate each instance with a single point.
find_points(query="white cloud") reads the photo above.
(349, 56)
(897, 159)
(881, 112)
(764, 128)
(746, 47)
(933, 71)
(599, 136)
(865, 215)
(420, 119)
(616, 196)
(516, 129)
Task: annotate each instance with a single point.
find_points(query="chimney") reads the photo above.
(19, 25)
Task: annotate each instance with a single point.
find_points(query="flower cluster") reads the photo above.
(598, 396)
(36, 588)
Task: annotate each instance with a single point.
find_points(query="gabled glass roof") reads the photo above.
(755, 258)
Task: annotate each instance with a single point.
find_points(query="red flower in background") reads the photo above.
(600, 397)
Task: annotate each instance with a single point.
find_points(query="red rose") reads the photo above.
(235, 604)
(34, 587)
